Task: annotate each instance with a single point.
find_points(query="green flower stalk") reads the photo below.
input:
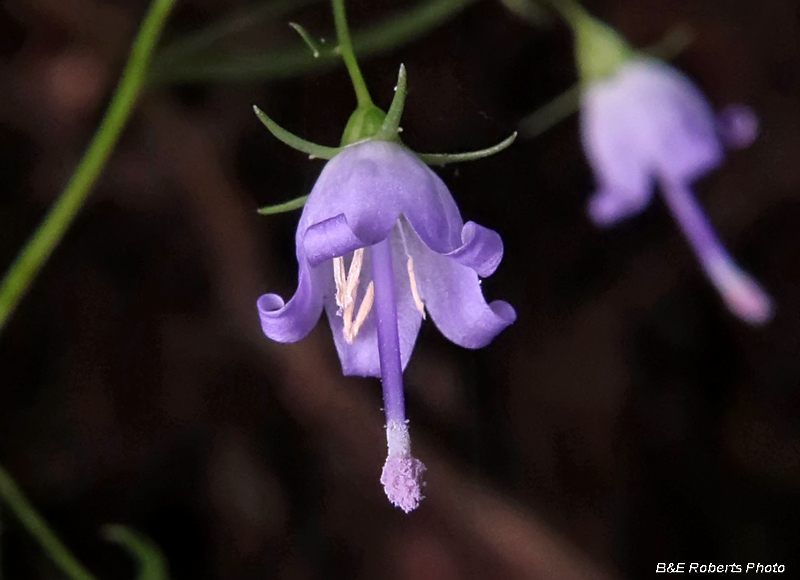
(45, 239)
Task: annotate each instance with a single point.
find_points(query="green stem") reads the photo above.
(348, 55)
(552, 113)
(55, 224)
(38, 528)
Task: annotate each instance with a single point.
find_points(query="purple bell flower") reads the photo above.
(381, 243)
(647, 122)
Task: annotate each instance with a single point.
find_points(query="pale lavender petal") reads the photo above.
(452, 294)
(679, 131)
(289, 322)
(621, 168)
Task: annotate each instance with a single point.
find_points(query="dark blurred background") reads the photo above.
(626, 418)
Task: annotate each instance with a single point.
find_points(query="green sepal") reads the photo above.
(445, 158)
(312, 44)
(599, 49)
(293, 141)
(364, 123)
(152, 565)
(391, 125)
(296, 203)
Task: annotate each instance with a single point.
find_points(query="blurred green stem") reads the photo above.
(207, 37)
(38, 528)
(257, 66)
(349, 57)
(55, 224)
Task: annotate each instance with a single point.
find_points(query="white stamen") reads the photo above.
(414, 291)
(347, 318)
(346, 289)
(354, 274)
(361, 316)
(340, 278)
(412, 278)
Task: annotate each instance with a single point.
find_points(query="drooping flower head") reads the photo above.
(380, 245)
(644, 124)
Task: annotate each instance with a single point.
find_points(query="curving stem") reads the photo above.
(348, 55)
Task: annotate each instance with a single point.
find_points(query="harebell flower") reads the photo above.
(380, 246)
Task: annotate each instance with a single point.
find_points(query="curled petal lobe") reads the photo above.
(330, 238)
(290, 322)
(452, 294)
(481, 249)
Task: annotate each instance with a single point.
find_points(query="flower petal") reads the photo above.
(481, 250)
(452, 294)
(289, 322)
(372, 183)
(361, 357)
(609, 206)
(683, 139)
(646, 120)
(611, 141)
(330, 238)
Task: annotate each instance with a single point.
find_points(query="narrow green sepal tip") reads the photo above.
(296, 203)
(293, 141)
(599, 49)
(312, 44)
(445, 158)
(391, 125)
